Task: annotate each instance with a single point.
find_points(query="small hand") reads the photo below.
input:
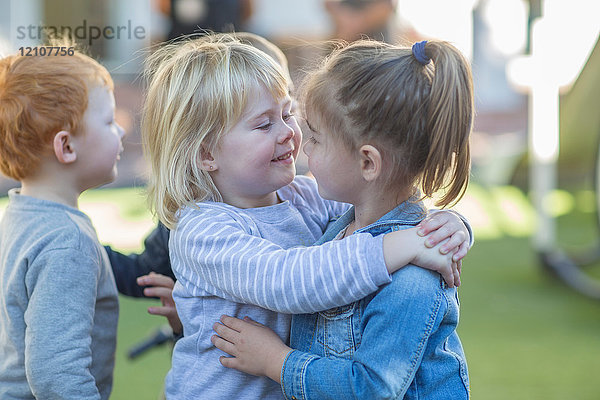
(443, 225)
(436, 260)
(161, 286)
(255, 348)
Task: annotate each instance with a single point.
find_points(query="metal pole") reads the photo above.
(544, 143)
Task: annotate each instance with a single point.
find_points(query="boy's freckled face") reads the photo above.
(257, 156)
(98, 145)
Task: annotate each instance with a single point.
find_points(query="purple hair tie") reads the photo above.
(418, 50)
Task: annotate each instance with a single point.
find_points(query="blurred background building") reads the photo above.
(489, 32)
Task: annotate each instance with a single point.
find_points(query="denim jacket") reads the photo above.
(399, 342)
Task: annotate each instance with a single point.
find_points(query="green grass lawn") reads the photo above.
(526, 336)
(143, 377)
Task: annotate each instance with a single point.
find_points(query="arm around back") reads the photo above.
(214, 253)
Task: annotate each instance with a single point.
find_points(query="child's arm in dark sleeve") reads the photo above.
(154, 258)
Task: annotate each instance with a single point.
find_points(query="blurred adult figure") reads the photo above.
(354, 19)
(195, 16)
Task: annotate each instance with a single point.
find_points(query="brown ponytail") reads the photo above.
(449, 123)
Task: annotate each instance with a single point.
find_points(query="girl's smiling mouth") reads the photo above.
(284, 157)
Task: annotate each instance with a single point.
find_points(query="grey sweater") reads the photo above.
(58, 304)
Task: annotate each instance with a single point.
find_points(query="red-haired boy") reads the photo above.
(58, 300)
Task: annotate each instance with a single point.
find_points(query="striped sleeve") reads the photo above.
(216, 255)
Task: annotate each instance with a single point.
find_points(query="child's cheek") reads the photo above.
(313, 166)
(297, 130)
(297, 140)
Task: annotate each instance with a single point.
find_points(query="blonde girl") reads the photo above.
(386, 121)
(222, 142)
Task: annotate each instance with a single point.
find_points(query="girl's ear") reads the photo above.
(207, 162)
(370, 162)
(63, 147)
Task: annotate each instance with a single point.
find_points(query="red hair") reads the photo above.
(40, 96)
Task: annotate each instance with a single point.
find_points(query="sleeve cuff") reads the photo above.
(293, 373)
(379, 272)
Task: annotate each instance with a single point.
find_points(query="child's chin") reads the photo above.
(289, 179)
(110, 178)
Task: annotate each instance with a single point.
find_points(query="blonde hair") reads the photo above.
(269, 48)
(39, 97)
(421, 115)
(197, 91)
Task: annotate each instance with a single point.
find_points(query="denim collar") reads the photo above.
(410, 212)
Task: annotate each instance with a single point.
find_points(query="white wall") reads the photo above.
(301, 19)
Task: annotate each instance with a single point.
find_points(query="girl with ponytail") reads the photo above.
(389, 127)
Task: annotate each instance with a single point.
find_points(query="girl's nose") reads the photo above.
(121, 130)
(286, 134)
